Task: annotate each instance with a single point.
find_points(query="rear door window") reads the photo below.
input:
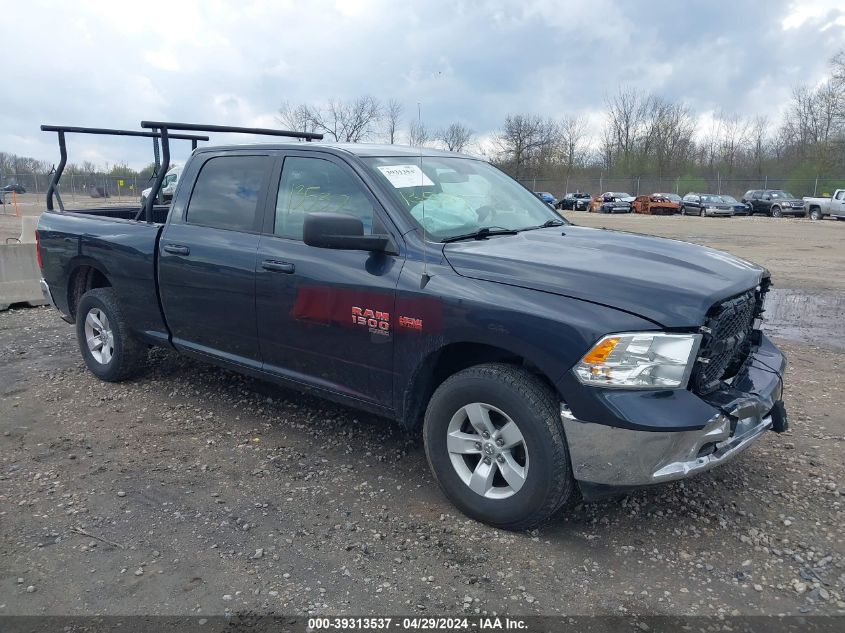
(227, 192)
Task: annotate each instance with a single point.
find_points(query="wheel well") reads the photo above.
(83, 279)
(445, 362)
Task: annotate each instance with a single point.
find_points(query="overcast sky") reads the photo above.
(110, 64)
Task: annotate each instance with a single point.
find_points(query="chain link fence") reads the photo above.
(646, 185)
(80, 185)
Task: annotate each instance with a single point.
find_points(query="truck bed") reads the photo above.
(75, 244)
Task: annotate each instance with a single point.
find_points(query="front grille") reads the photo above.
(727, 339)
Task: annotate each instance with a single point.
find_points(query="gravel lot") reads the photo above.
(193, 490)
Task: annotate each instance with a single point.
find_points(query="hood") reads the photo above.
(669, 282)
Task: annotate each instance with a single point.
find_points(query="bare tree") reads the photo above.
(418, 134)
(527, 140)
(668, 139)
(759, 143)
(392, 118)
(626, 118)
(344, 121)
(837, 67)
(573, 141)
(733, 139)
(296, 118)
(456, 137)
(812, 125)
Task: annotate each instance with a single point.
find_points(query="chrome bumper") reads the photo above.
(48, 296)
(611, 456)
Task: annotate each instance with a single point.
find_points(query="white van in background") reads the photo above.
(168, 186)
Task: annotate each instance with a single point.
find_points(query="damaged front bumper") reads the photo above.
(608, 459)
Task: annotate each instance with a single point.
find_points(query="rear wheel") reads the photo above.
(815, 213)
(495, 443)
(108, 348)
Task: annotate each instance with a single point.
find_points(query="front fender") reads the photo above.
(548, 331)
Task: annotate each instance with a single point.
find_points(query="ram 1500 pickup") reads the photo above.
(537, 359)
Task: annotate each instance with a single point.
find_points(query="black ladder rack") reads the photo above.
(164, 128)
(61, 130)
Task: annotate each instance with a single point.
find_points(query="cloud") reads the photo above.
(111, 64)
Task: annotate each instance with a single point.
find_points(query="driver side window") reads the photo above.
(310, 185)
(840, 194)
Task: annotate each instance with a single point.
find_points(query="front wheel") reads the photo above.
(495, 444)
(776, 212)
(108, 347)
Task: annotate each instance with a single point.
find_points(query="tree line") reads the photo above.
(643, 135)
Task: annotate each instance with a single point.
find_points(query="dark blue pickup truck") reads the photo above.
(538, 359)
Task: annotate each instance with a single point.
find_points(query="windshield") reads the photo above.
(782, 194)
(711, 198)
(456, 196)
(730, 199)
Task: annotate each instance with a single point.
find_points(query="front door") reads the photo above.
(207, 257)
(325, 316)
(837, 203)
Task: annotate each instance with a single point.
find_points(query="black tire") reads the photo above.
(776, 212)
(548, 482)
(127, 355)
(683, 211)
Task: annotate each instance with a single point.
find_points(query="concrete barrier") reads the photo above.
(19, 276)
(28, 225)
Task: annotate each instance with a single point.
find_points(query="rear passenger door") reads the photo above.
(309, 299)
(207, 256)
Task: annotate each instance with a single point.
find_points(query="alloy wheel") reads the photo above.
(99, 336)
(487, 450)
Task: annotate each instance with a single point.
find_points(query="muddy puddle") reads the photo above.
(808, 318)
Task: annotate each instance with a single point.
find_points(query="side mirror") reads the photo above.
(340, 231)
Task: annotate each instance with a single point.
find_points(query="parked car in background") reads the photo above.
(738, 207)
(674, 197)
(612, 202)
(546, 197)
(574, 202)
(14, 187)
(655, 204)
(705, 204)
(775, 203)
(168, 187)
(818, 208)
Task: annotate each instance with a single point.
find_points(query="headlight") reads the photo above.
(640, 360)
